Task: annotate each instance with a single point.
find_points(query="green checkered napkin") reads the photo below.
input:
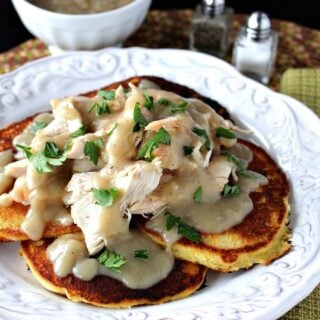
(304, 85)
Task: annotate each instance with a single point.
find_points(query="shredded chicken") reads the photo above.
(5, 180)
(137, 181)
(100, 226)
(16, 169)
(79, 186)
(112, 142)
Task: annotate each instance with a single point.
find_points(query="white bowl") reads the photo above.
(82, 31)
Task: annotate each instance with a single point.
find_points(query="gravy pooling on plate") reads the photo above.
(141, 151)
(80, 6)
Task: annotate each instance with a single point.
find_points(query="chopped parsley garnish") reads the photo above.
(52, 151)
(241, 168)
(139, 119)
(141, 254)
(203, 133)
(225, 133)
(109, 133)
(103, 107)
(171, 221)
(43, 161)
(197, 196)
(187, 150)
(232, 191)
(38, 125)
(92, 150)
(107, 95)
(111, 260)
(79, 132)
(149, 102)
(179, 108)
(105, 197)
(173, 107)
(161, 137)
(26, 150)
(165, 102)
(184, 229)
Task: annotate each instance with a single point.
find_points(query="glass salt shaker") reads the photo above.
(255, 48)
(210, 28)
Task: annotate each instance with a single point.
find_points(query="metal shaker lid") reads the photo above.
(258, 26)
(213, 7)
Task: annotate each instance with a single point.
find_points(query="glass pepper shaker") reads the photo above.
(210, 28)
(255, 48)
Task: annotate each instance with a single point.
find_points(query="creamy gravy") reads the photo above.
(68, 254)
(80, 6)
(46, 205)
(211, 217)
(5, 181)
(26, 137)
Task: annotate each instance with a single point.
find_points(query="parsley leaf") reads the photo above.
(26, 150)
(188, 232)
(174, 108)
(141, 254)
(187, 150)
(103, 107)
(172, 221)
(241, 168)
(54, 156)
(149, 102)
(38, 125)
(179, 108)
(203, 133)
(52, 151)
(109, 133)
(183, 228)
(107, 95)
(79, 132)
(92, 150)
(233, 191)
(162, 136)
(44, 160)
(165, 102)
(100, 108)
(40, 163)
(105, 197)
(225, 133)
(197, 196)
(139, 119)
(111, 260)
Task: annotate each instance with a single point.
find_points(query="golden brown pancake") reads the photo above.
(12, 217)
(261, 237)
(183, 280)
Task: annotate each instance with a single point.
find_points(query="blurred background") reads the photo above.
(306, 12)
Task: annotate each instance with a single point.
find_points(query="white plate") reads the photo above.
(289, 131)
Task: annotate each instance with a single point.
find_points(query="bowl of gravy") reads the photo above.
(82, 24)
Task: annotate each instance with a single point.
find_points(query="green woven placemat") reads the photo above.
(308, 309)
(304, 85)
